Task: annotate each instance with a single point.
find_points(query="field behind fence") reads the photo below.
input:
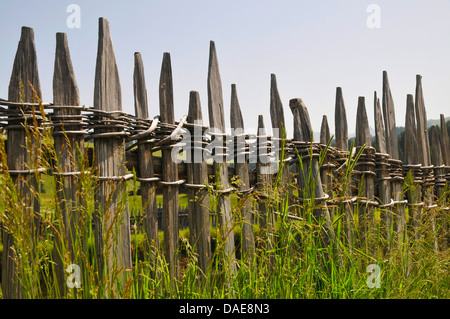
(100, 159)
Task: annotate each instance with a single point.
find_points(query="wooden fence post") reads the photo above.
(217, 122)
(396, 171)
(263, 184)
(169, 171)
(445, 147)
(278, 132)
(424, 154)
(241, 171)
(341, 136)
(303, 143)
(145, 158)
(24, 72)
(326, 171)
(69, 144)
(197, 178)
(111, 220)
(364, 168)
(412, 166)
(382, 167)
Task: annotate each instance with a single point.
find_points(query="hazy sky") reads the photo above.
(312, 47)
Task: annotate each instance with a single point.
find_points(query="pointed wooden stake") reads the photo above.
(422, 129)
(278, 132)
(199, 223)
(411, 155)
(302, 121)
(340, 122)
(379, 126)
(169, 171)
(392, 148)
(362, 127)
(436, 151)
(145, 158)
(424, 148)
(276, 109)
(389, 119)
(412, 162)
(326, 172)
(324, 131)
(365, 165)
(241, 171)
(382, 167)
(111, 215)
(217, 122)
(263, 186)
(65, 92)
(24, 74)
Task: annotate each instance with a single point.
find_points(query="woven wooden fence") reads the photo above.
(123, 142)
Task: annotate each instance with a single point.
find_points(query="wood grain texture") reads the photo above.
(276, 109)
(364, 182)
(340, 122)
(266, 214)
(146, 170)
(24, 75)
(68, 148)
(278, 132)
(302, 121)
(325, 135)
(112, 213)
(169, 171)
(389, 119)
(422, 126)
(217, 122)
(411, 154)
(241, 171)
(363, 136)
(198, 199)
(379, 126)
(326, 172)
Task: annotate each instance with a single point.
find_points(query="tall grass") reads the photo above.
(295, 264)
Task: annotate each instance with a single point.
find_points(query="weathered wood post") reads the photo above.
(241, 171)
(424, 154)
(217, 126)
(146, 171)
(445, 147)
(310, 184)
(439, 185)
(412, 166)
(263, 175)
(382, 169)
(69, 145)
(365, 170)
(24, 73)
(396, 171)
(340, 122)
(111, 220)
(278, 132)
(344, 186)
(197, 178)
(326, 171)
(169, 171)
